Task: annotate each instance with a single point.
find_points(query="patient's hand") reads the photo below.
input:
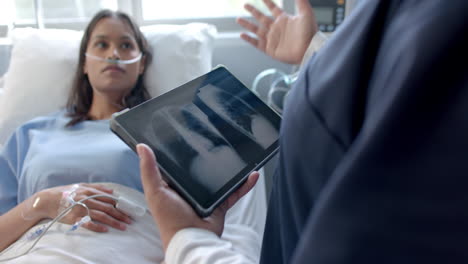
(284, 37)
(101, 210)
(170, 212)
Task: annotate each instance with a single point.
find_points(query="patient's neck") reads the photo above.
(103, 108)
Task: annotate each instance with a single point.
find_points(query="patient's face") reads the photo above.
(112, 38)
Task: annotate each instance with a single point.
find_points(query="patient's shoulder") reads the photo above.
(50, 120)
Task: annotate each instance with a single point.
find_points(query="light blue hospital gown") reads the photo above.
(43, 153)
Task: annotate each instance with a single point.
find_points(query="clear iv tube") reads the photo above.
(49, 225)
(122, 204)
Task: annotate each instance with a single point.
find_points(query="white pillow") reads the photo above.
(180, 53)
(43, 63)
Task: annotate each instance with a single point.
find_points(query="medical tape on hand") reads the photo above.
(68, 198)
(112, 61)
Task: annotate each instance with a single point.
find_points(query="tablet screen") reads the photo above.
(207, 134)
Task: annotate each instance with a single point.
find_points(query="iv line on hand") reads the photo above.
(125, 205)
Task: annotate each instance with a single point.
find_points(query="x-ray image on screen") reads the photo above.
(213, 137)
(191, 142)
(237, 112)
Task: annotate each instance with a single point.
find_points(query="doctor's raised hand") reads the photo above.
(170, 212)
(284, 37)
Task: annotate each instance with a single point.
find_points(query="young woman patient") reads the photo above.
(70, 151)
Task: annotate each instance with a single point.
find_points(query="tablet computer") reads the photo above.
(208, 135)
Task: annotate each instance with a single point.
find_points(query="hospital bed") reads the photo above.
(37, 82)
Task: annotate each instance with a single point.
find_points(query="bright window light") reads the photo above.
(190, 9)
(61, 9)
(75, 14)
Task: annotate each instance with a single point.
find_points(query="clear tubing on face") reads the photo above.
(114, 61)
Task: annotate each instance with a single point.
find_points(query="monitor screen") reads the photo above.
(324, 15)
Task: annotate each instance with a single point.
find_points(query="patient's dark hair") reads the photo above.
(81, 96)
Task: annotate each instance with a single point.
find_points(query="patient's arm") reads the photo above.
(46, 205)
(17, 216)
(13, 225)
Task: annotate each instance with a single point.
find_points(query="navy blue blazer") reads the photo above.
(373, 164)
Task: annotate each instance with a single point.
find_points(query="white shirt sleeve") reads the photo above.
(241, 239)
(195, 245)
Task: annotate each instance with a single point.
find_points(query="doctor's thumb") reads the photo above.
(150, 175)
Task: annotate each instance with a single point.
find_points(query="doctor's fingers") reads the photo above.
(262, 28)
(262, 19)
(260, 32)
(239, 193)
(109, 210)
(252, 28)
(260, 42)
(274, 9)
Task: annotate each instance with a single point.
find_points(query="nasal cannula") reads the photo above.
(114, 61)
